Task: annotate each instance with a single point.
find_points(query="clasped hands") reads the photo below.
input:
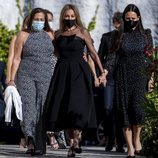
(101, 80)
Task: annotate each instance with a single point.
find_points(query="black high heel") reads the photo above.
(71, 152)
(129, 156)
(139, 152)
(76, 143)
(78, 150)
(39, 152)
(31, 151)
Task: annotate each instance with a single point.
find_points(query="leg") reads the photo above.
(31, 146)
(109, 116)
(137, 143)
(139, 111)
(71, 151)
(120, 140)
(129, 140)
(75, 137)
(40, 132)
(52, 140)
(22, 140)
(26, 88)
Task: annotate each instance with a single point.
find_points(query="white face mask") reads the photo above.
(51, 24)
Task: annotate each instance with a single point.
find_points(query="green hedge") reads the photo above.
(5, 39)
(150, 128)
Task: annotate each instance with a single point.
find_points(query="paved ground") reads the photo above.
(10, 151)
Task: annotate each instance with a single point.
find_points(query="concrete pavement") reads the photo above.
(10, 151)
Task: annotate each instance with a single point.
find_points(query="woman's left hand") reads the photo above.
(102, 80)
(85, 57)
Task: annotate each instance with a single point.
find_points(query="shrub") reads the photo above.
(5, 38)
(150, 128)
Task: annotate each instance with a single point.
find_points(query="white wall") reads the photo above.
(9, 12)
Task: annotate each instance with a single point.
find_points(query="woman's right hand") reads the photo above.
(96, 81)
(11, 83)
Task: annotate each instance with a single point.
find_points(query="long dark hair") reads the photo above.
(116, 34)
(49, 12)
(25, 23)
(33, 12)
(133, 8)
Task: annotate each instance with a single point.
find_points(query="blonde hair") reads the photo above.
(62, 15)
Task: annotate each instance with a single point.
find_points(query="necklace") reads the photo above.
(71, 29)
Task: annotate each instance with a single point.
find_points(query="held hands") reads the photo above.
(11, 83)
(102, 78)
(96, 81)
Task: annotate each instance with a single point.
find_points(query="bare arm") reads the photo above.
(92, 67)
(92, 50)
(21, 38)
(94, 54)
(10, 59)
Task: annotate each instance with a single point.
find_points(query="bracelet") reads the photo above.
(103, 72)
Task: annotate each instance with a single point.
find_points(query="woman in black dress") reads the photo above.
(70, 100)
(131, 77)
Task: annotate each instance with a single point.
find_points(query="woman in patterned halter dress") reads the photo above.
(131, 78)
(33, 66)
(69, 103)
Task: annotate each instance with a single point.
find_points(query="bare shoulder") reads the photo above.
(22, 35)
(14, 38)
(85, 32)
(51, 34)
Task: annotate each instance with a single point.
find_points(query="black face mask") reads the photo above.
(130, 24)
(69, 23)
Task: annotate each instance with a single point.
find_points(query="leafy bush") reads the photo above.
(5, 38)
(150, 129)
(6, 35)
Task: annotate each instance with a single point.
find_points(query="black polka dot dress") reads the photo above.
(131, 79)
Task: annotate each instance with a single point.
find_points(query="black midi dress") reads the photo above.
(131, 77)
(69, 102)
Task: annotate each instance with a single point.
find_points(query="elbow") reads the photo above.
(16, 61)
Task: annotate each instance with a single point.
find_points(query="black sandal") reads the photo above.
(71, 152)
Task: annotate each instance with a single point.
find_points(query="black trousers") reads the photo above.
(111, 122)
